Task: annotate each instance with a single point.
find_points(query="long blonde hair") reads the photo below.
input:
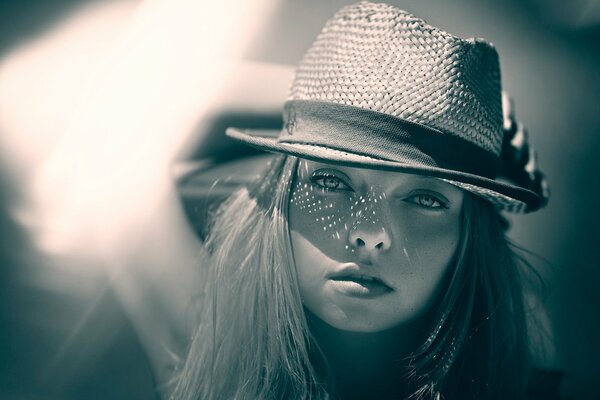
(253, 341)
(251, 338)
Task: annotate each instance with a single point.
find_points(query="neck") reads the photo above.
(363, 364)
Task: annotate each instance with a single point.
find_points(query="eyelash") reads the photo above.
(417, 200)
(320, 179)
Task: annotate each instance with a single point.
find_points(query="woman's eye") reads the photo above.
(330, 182)
(427, 201)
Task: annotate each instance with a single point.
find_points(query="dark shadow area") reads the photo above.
(24, 20)
(214, 145)
(221, 165)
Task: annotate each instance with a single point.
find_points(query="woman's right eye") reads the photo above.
(330, 182)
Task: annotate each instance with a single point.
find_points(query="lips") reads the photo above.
(355, 282)
(359, 278)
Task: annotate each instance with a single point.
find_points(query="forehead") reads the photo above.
(377, 178)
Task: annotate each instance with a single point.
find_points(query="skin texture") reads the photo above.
(400, 229)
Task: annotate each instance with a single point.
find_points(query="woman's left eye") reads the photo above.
(427, 201)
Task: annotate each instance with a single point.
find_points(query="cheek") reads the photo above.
(310, 263)
(320, 218)
(436, 241)
(427, 247)
(428, 238)
(312, 266)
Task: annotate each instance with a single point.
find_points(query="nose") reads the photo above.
(376, 241)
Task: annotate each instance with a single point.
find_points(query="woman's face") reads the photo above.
(371, 247)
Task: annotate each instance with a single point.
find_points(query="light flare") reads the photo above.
(102, 172)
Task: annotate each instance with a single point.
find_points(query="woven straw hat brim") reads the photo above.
(505, 196)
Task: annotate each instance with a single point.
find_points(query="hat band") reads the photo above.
(374, 134)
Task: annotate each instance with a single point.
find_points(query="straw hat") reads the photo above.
(380, 88)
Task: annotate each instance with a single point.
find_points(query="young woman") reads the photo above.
(370, 260)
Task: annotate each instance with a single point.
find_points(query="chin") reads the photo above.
(364, 322)
(362, 328)
(367, 318)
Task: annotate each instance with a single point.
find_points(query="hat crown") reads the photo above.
(380, 58)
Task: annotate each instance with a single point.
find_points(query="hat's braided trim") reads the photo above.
(519, 158)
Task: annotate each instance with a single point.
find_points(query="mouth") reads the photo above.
(356, 283)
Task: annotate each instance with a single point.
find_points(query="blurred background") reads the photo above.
(105, 106)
